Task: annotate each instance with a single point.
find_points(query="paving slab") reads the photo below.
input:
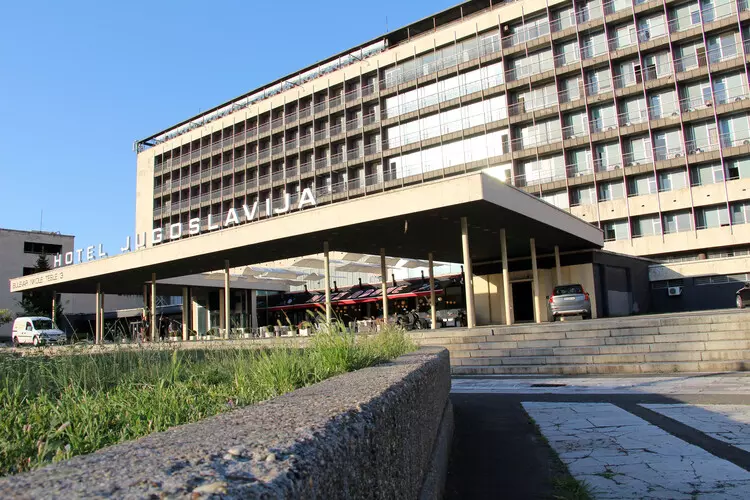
(620, 455)
(727, 423)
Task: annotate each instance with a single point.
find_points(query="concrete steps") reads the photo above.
(714, 341)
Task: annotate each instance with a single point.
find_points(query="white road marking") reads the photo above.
(728, 423)
(622, 456)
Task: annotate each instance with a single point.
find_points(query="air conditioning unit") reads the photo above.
(611, 128)
(674, 291)
(627, 124)
(676, 155)
(709, 103)
(746, 142)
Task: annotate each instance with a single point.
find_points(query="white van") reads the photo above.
(36, 330)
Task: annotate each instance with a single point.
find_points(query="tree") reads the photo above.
(39, 302)
(5, 316)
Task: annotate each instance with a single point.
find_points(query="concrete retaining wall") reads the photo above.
(379, 432)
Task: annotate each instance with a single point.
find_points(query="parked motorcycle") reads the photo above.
(411, 321)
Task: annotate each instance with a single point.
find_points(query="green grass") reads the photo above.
(53, 408)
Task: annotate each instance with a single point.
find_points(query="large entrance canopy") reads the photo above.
(408, 222)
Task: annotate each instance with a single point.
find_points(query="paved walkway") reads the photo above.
(627, 437)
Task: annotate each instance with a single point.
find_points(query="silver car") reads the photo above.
(569, 300)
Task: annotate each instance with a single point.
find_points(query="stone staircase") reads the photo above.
(707, 341)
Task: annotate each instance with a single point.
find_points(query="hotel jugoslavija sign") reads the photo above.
(234, 216)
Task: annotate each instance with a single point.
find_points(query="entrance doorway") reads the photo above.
(523, 302)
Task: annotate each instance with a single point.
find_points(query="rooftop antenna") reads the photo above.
(41, 219)
(386, 24)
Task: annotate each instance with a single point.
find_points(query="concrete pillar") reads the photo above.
(506, 278)
(227, 301)
(253, 309)
(54, 306)
(535, 283)
(221, 311)
(97, 312)
(433, 312)
(185, 315)
(384, 284)
(101, 318)
(558, 271)
(154, 332)
(471, 315)
(327, 269)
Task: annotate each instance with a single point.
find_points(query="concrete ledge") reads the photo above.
(374, 433)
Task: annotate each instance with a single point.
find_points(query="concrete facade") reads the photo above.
(19, 251)
(622, 146)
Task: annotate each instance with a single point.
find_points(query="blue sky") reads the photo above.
(80, 81)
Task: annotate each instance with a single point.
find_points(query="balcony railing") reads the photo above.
(630, 118)
(526, 33)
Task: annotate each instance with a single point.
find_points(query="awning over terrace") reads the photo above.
(408, 222)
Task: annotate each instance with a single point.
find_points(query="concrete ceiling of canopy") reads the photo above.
(409, 223)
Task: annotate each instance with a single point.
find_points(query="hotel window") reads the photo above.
(558, 199)
(566, 53)
(530, 30)
(640, 185)
(663, 104)
(738, 169)
(590, 9)
(615, 230)
(648, 225)
(598, 81)
(594, 45)
(734, 131)
(703, 175)
(672, 180)
(651, 27)
(668, 145)
(607, 157)
(576, 125)
(542, 133)
(690, 56)
(570, 89)
(563, 19)
(603, 118)
(722, 47)
(579, 162)
(637, 151)
(611, 190)
(708, 217)
(741, 212)
(677, 222)
(633, 111)
(712, 10)
(539, 98)
(543, 170)
(658, 65)
(695, 96)
(582, 195)
(624, 36)
(684, 16)
(701, 137)
(628, 73)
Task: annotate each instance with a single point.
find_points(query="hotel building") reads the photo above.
(630, 115)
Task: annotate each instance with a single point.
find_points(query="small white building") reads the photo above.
(19, 251)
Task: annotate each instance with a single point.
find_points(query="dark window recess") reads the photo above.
(41, 248)
(28, 270)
